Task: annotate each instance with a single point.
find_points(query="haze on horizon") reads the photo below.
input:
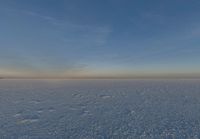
(99, 39)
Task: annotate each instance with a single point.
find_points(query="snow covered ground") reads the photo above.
(99, 109)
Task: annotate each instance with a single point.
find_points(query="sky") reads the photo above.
(99, 38)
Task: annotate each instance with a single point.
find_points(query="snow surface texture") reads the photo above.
(99, 109)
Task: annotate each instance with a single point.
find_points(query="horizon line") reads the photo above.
(98, 78)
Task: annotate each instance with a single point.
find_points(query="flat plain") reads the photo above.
(99, 109)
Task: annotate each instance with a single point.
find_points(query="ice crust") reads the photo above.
(99, 109)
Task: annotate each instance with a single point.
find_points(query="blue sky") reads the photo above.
(99, 38)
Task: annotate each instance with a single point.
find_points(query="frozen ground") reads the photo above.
(99, 109)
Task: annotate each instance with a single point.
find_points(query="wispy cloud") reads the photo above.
(85, 35)
(81, 36)
(166, 47)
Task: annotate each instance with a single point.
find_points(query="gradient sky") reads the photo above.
(99, 38)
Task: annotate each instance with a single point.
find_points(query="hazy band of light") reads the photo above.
(98, 74)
